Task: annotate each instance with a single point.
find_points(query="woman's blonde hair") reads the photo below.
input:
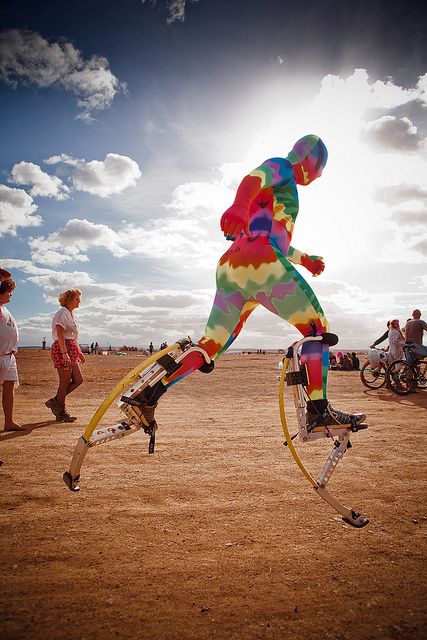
(65, 297)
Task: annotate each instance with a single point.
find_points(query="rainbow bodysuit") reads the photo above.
(257, 269)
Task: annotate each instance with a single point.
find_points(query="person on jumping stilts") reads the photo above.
(257, 270)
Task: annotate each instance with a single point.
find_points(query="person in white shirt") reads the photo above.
(395, 341)
(65, 353)
(9, 337)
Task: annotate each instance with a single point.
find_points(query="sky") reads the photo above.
(126, 127)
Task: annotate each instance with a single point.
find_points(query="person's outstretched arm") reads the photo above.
(314, 264)
(379, 340)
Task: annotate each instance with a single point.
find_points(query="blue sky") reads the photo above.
(127, 126)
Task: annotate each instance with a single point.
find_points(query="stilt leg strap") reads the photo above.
(170, 365)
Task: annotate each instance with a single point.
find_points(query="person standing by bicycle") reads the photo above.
(396, 342)
(414, 330)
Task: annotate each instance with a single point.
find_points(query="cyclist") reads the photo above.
(414, 330)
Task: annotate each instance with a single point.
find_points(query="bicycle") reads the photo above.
(373, 372)
(403, 378)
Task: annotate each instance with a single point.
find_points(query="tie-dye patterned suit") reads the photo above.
(257, 270)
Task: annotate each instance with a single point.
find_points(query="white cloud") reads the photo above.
(387, 95)
(353, 312)
(16, 210)
(102, 178)
(53, 282)
(413, 218)
(42, 184)
(398, 193)
(193, 197)
(115, 312)
(160, 240)
(422, 88)
(64, 158)
(70, 243)
(404, 249)
(391, 134)
(28, 58)
(182, 242)
(347, 99)
(421, 246)
(167, 299)
(26, 266)
(176, 9)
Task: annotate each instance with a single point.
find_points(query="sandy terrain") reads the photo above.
(217, 535)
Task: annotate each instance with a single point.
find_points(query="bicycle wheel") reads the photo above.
(422, 374)
(373, 377)
(401, 377)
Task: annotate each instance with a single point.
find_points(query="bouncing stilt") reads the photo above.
(128, 393)
(296, 376)
(257, 270)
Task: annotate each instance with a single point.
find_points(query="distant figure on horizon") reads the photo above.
(66, 353)
(151, 348)
(44, 344)
(9, 338)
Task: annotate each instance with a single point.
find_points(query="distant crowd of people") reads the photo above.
(344, 361)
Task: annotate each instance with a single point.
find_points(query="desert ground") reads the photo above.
(217, 535)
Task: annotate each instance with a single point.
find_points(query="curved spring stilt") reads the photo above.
(147, 374)
(295, 377)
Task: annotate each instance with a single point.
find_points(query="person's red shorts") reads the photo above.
(72, 350)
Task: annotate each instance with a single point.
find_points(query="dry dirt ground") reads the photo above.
(217, 535)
